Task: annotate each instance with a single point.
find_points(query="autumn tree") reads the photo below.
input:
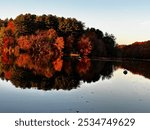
(69, 25)
(51, 22)
(25, 24)
(45, 22)
(98, 45)
(84, 45)
(8, 42)
(24, 42)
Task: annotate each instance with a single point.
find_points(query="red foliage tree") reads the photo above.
(11, 26)
(24, 42)
(24, 60)
(84, 45)
(58, 64)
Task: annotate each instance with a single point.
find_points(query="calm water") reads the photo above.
(100, 87)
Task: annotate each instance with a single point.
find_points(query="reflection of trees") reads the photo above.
(26, 79)
(140, 68)
(72, 72)
(42, 66)
(98, 70)
(65, 82)
(66, 77)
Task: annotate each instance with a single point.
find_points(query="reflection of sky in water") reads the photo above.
(121, 93)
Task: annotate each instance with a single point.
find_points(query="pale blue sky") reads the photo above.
(128, 20)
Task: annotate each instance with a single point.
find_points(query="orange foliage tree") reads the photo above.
(11, 26)
(60, 43)
(8, 42)
(84, 45)
(24, 43)
(58, 63)
(42, 52)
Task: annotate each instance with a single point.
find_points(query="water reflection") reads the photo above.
(66, 73)
(53, 71)
(136, 67)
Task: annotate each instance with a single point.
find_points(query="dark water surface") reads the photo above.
(89, 86)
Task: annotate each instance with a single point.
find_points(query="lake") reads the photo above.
(81, 85)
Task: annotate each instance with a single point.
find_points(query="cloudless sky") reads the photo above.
(128, 20)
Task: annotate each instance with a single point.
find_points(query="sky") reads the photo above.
(127, 20)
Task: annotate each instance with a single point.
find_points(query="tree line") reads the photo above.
(137, 50)
(68, 35)
(48, 37)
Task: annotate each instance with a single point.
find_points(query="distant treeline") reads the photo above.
(66, 35)
(137, 50)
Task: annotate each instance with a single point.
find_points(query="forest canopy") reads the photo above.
(48, 37)
(68, 35)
